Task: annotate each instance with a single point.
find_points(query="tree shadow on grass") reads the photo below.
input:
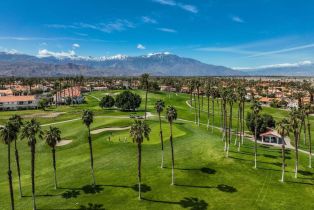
(304, 183)
(306, 173)
(270, 156)
(92, 189)
(92, 206)
(191, 203)
(226, 188)
(204, 170)
(71, 194)
(144, 188)
(220, 187)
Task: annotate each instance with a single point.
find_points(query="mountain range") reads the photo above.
(157, 64)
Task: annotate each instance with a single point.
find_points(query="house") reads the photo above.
(71, 92)
(271, 137)
(293, 104)
(265, 100)
(185, 89)
(18, 102)
(6, 92)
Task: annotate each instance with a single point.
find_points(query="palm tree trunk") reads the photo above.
(17, 159)
(195, 110)
(33, 173)
(283, 161)
(54, 166)
(296, 136)
(255, 143)
(238, 126)
(213, 114)
(161, 142)
(208, 115)
(199, 107)
(310, 142)
(225, 125)
(10, 176)
(172, 155)
(91, 156)
(242, 137)
(139, 154)
(304, 131)
(146, 100)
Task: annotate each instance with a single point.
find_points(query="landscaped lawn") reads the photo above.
(205, 178)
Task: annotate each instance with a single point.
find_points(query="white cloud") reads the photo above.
(279, 65)
(300, 47)
(168, 30)
(186, 7)
(189, 8)
(141, 47)
(75, 45)
(146, 19)
(237, 19)
(46, 53)
(166, 2)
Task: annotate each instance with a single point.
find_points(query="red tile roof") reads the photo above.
(5, 99)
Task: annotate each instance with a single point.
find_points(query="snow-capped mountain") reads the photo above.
(68, 63)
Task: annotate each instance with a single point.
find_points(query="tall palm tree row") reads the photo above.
(256, 108)
(171, 116)
(139, 131)
(88, 118)
(31, 130)
(159, 106)
(283, 130)
(16, 122)
(8, 135)
(52, 137)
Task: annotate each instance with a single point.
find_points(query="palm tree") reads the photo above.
(138, 131)
(198, 85)
(283, 130)
(88, 117)
(16, 122)
(52, 137)
(256, 108)
(171, 116)
(145, 85)
(308, 111)
(159, 106)
(30, 131)
(295, 127)
(8, 134)
(231, 99)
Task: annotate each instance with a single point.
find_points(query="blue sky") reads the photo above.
(233, 33)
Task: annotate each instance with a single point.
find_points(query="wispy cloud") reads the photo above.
(285, 50)
(168, 30)
(166, 2)
(109, 27)
(279, 65)
(141, 47)
(186, 7)
(147, 19)
(237, 19)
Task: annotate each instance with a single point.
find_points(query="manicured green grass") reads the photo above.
(205, 178)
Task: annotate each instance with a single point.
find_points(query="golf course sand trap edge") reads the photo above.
(63, 143)
(109, 129)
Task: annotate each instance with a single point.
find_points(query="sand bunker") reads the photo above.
(109, 129)
(44, 115)
(63, 143)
